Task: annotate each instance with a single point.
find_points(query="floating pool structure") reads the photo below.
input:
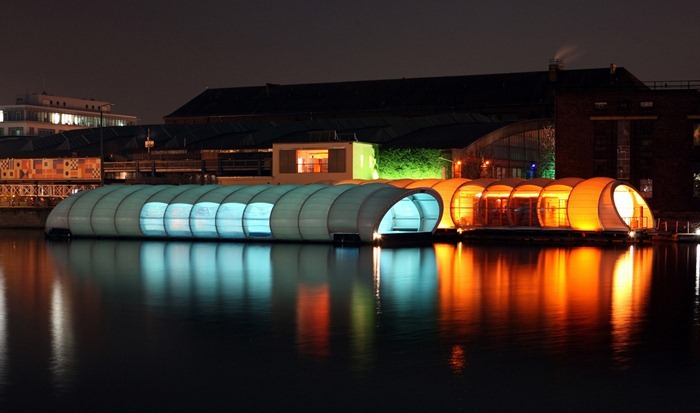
(316, 212)
(594, 205)
(353, 211)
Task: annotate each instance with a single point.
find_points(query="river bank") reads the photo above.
(24, 217)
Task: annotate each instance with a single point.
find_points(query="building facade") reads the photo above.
(647, 138)
(41, 114)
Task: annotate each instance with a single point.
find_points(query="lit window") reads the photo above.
(66, 119)
(646, 187)
(696, 133)
(312, 161)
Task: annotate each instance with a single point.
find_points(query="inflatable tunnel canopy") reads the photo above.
(314, 212)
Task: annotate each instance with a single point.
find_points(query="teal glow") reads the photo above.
(151, 219)
(229, 221)
(203, 219)
(406, 216)
(256, 220)
(285, 213)
(177, 220)
(414, 213)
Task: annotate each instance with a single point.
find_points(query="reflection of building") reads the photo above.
(560, 292)
(43, 114)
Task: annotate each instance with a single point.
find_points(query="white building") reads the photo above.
(43, 114)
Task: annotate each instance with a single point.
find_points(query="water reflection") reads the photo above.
(554, 296)
(3, 331)
(240, 314)
(62, 351)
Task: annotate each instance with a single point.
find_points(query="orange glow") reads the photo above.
(570, 292)
(553, 201)
(312, 160)
(458, 287)
(458, 359)
(584, 206)
(630, 291)
(632, 208)
(313, 320)
(464, 204)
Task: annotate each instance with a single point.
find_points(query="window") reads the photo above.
(696, 133)
(600, 105)
(15, 131)
(646, 187)
(288, 161)
(312, 160)
(623, 150)
(696, 179)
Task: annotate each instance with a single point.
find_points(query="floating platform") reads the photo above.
(539, 235)
(685, 237)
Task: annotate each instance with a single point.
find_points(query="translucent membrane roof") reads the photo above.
(595, 204)
(263, 212)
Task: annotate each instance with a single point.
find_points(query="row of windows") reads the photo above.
(57, 118)
(646, 104)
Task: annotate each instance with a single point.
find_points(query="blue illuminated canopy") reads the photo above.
(240, 212)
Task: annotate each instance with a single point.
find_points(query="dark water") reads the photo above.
(99, 325)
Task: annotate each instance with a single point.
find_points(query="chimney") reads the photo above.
(555, 65)
(613, 72)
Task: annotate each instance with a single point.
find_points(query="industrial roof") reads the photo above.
(441, 131)
(458, 93)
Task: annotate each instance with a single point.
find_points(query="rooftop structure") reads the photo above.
(42, 114)
(506, 97)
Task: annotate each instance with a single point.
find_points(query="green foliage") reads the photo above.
(414, 163)
(547, 150)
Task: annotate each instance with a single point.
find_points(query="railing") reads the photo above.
(32, 194)
(676, 226)
(673, 84)
(18, 195)
(204, 166)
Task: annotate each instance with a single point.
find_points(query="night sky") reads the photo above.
(149, 57)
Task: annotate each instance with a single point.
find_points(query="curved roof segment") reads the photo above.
(595, 205)
(260, 212)
(590, 205)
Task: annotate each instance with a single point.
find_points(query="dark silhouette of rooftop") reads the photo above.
(530, 93)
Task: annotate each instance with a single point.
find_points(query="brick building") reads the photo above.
(648, 138)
